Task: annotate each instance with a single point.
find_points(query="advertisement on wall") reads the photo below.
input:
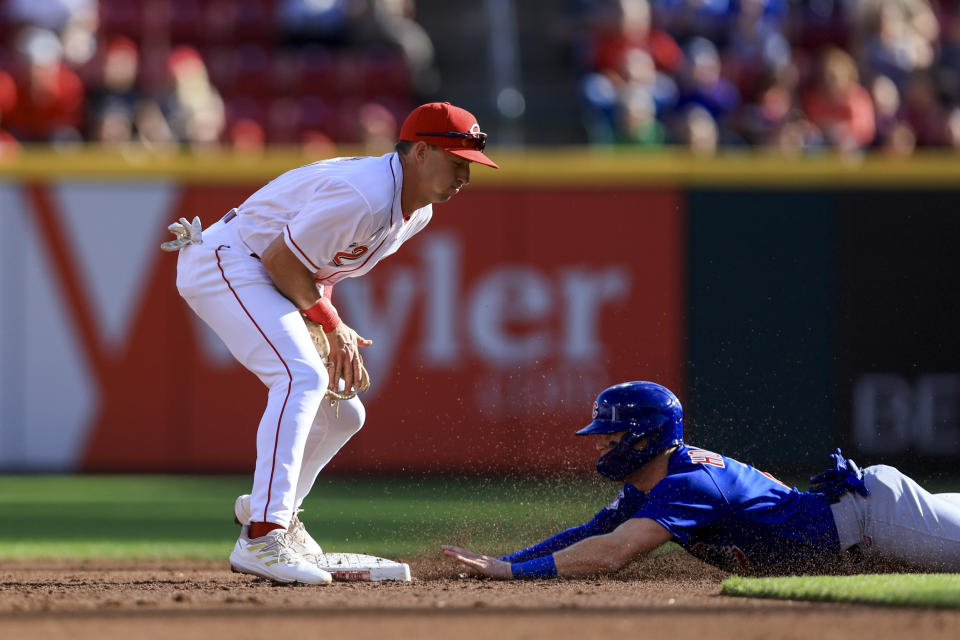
(898, 313)
(493, 331)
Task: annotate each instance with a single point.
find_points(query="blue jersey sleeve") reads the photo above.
(684, 502)
(607, 519)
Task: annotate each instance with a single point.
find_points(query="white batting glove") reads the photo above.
(187, 233)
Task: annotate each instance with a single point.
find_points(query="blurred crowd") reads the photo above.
(209, 73)
(796, 76)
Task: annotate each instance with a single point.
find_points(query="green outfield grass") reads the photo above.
(192, 516)
(916, 590)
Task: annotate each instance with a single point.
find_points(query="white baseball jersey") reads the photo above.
(340, 217)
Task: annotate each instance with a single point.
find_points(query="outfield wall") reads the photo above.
(825, 317)
(795, 306)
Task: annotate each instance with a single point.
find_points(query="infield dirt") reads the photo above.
(671, 596)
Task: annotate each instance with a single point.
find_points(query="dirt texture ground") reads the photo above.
(671, 596)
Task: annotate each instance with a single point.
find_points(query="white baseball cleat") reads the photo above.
(299, 533)
(241, 515)
(276, 557)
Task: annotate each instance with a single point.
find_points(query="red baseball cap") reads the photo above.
(451, 128)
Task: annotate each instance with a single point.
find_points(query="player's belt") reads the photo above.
(232, 215)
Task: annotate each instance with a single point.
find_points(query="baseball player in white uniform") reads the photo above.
(276, 258)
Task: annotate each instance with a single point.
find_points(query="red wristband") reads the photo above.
(323, 313)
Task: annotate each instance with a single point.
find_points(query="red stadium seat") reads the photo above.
(219, 19)
(221, 67)
(256, 22)
(285, 72)
(385, 75)
(186, 21)
(350, 74)
(6, 60)
(153, 67)
(283, 121)
(345, 122)
(155, 18)
(246, 136)
(247, 108)
(318, 71)
(290, 91)
(252, 69)
(318, 114)
(121, 16)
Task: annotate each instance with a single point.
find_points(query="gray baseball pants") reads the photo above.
(901, 521)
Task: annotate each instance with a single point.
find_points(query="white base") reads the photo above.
(358, 567)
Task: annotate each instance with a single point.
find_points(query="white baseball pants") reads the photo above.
(901, 521)
(299, 432)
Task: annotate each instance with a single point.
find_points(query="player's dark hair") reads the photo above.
(405, 146)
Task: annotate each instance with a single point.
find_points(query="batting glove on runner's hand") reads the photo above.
(187, 233)
(834, 483)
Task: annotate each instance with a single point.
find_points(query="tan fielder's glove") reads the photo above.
(323, 348)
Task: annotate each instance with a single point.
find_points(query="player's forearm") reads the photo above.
(599, 554)
(590, 557)
(302, 292)
(602, 554)
(552, 544)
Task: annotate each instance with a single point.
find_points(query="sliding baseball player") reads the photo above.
(727, 513)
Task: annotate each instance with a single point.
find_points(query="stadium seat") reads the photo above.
(318, 72)
(247, 108)
(153, 67)
(350, 69)
(317, 113)
(384, 74)
(219, 19)
(121, 16)
(155, 18)
(186, 24)
(283, 121)
(256, 22)
(221, 67)
(285, 72)
(252, 70)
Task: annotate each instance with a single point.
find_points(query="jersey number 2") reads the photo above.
(353, 254)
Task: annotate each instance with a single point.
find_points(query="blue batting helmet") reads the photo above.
(642, 409)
